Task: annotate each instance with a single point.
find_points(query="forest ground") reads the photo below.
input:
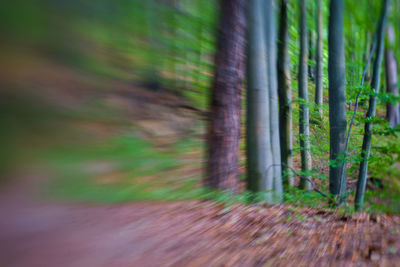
(78, 210)
(188, 233)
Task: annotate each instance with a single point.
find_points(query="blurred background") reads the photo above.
(100, 99)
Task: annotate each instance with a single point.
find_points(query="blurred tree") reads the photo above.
(224, 127)
(366, 146)
(285, 95)
(319, 63)
(270, 15)
(311, 68)
(304, 120)
(263, 150)
(337, 98)
(392, 110)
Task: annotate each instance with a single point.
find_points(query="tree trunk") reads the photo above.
(368, 45)
(285, 96)
(337, 98)
(319, 64)
(271, 42)
(263, 151)
(366, 146)
(311, 69)
(224, 128)
(304, 116)
(393, 112)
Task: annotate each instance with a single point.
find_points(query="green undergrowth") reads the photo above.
(121, 169)
(376, 201)
(128, 168)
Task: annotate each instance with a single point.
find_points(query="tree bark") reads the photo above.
(285, 96)
(271, 41)
(224, 127)
(337, 98)
(366, 146)
(319, 63)
(311, 68)
(304, 116)
(392, 110)
(263, 150)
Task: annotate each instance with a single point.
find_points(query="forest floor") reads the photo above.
(121, 143)
(189, 233)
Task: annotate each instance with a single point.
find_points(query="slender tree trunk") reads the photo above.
(285, 96)
(263, 151)
(366, 146)
(337, 98)
(393, 111)
(319, 58)
(224, 128)
(368, 45)
(304, 116)
(350, 69)
(311, 69)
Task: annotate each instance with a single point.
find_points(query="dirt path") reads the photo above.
(189, 234)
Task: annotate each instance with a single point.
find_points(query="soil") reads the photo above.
(192, 233)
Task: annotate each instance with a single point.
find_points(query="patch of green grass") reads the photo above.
(303, 198)
(382, 201)
(131, 167)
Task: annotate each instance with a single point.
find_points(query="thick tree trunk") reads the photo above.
(392, 110)
(224, 128)
(319, 64)
(263, 151)
(271, 41)
(366, 146)
(304, 116)
(337, 98)
(285, 96)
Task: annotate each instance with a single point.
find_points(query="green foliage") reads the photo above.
(385, 201)
(304, 198)
(123, 168)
